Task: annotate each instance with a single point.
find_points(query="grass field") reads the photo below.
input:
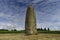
(18, 36)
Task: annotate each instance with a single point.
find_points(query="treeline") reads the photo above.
(41, 29)
(38, 29)
(7, 30)
(3, 31)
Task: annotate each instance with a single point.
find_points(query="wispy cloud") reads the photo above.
(12, 13)
(11, 26)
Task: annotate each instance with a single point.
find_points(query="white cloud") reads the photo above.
(23, 1)
(11, 26)
(51, 25)
(53, 0)
(56, 15)
(36, 1)
(10, 18)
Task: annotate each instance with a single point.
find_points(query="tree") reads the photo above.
(41, 29)
(38, 29)
(15, 30)
(48, 29)
(44, 29)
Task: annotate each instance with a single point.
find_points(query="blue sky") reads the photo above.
(13, 12)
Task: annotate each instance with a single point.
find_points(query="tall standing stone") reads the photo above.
(30, 22)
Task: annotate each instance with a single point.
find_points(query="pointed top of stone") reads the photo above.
(30, 6)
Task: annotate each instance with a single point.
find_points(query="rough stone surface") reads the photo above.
(30, 22)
